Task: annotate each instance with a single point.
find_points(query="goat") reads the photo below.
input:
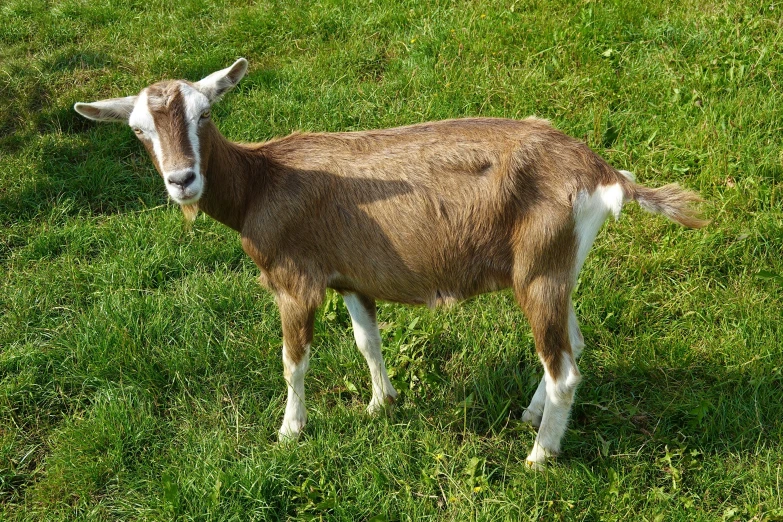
(427, 214)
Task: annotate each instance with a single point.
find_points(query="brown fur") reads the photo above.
(425, 214)
(319, 210)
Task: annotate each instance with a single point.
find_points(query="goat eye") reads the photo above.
(138, 131)
(206, 114)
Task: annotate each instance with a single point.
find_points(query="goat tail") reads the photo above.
(672, 201)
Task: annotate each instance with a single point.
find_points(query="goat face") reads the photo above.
(169, 118)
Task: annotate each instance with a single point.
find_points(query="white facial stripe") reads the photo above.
(141, 118)
(195, 104)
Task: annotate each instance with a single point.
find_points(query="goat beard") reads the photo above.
(190, 212)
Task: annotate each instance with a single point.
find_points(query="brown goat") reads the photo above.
(425, 214)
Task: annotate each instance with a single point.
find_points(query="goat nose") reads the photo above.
(182, 179)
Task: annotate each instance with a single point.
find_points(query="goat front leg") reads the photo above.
(368, 339)
(535, 411)
(297, 321)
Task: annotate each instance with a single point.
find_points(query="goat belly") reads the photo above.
(443, 298)
(421, 290)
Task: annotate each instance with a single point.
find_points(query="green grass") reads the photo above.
(140, 375)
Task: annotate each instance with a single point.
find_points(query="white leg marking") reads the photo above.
(368, 339)
(295, 411)
(575, 336)
(559, 398)
(590, 212)
(535, 411)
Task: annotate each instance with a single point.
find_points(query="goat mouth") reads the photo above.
(185, 196)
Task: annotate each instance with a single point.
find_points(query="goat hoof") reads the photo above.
(290, 432)
(532, 418)
(535, 465)
(538, 457)
(377, 406)
(287, 438)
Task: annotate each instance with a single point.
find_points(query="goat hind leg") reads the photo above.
(575, 336)
(546, 303)
(535, 410)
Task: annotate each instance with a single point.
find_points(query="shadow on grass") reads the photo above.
(28, 95)
(710, 408)
(97, 177)
(61, 159)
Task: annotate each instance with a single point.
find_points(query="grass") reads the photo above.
(140, 375)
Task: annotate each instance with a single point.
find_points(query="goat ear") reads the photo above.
(113, 109)
(218, 83)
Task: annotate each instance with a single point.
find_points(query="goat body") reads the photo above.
(425, 214)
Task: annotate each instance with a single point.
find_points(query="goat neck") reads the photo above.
(232, 172)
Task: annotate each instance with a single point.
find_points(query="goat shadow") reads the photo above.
(632, 407)
(78, 166)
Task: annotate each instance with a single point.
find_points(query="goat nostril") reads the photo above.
(183, 180)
